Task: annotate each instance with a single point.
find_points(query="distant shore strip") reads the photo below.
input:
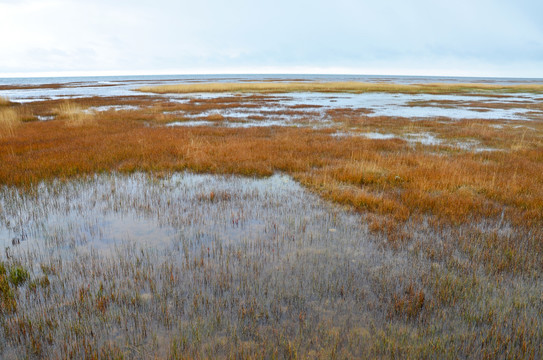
(342, 87)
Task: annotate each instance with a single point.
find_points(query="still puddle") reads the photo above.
(420, 138)
(141, 266)
(110, 210)
(387, 104)
(130, 257)
(378, 136)
(294, 109)
(112, 108)
(45, 117)
(191, 123)
(423, 138)
(368, 135)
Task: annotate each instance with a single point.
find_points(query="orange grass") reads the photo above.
(391, 179)
(496, 134)
(392, 169)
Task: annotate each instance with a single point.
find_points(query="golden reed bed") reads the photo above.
(348, 86)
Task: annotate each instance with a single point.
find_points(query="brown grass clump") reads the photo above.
(409, 303)
(73, 115)
(4, 101)
(389, 177)
(215, 117)
(9, 121)
(346, 86)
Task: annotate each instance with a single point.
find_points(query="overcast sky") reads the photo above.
(421, 37)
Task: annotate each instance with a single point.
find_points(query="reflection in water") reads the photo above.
(148, 259)
(380, 104)
(284, 109)
(151, 212)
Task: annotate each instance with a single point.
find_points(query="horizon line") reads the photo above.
(108, 73)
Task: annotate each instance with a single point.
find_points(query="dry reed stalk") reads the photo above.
(4, 101)
(74, 115)
(9, 120)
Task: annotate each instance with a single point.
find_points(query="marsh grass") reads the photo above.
(74, 115)
(354, 87)
(483, 134)
(438, 255)
(483, 105)
(391, 179)
(244, 268)
(9, 121)
(4, 101)
(414, 178)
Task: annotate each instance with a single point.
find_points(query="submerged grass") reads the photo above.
(351, 86)
(441, 259)
(245, 268)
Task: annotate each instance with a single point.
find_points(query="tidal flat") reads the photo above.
(270, 225)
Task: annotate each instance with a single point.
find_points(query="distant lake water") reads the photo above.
(124, 85)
